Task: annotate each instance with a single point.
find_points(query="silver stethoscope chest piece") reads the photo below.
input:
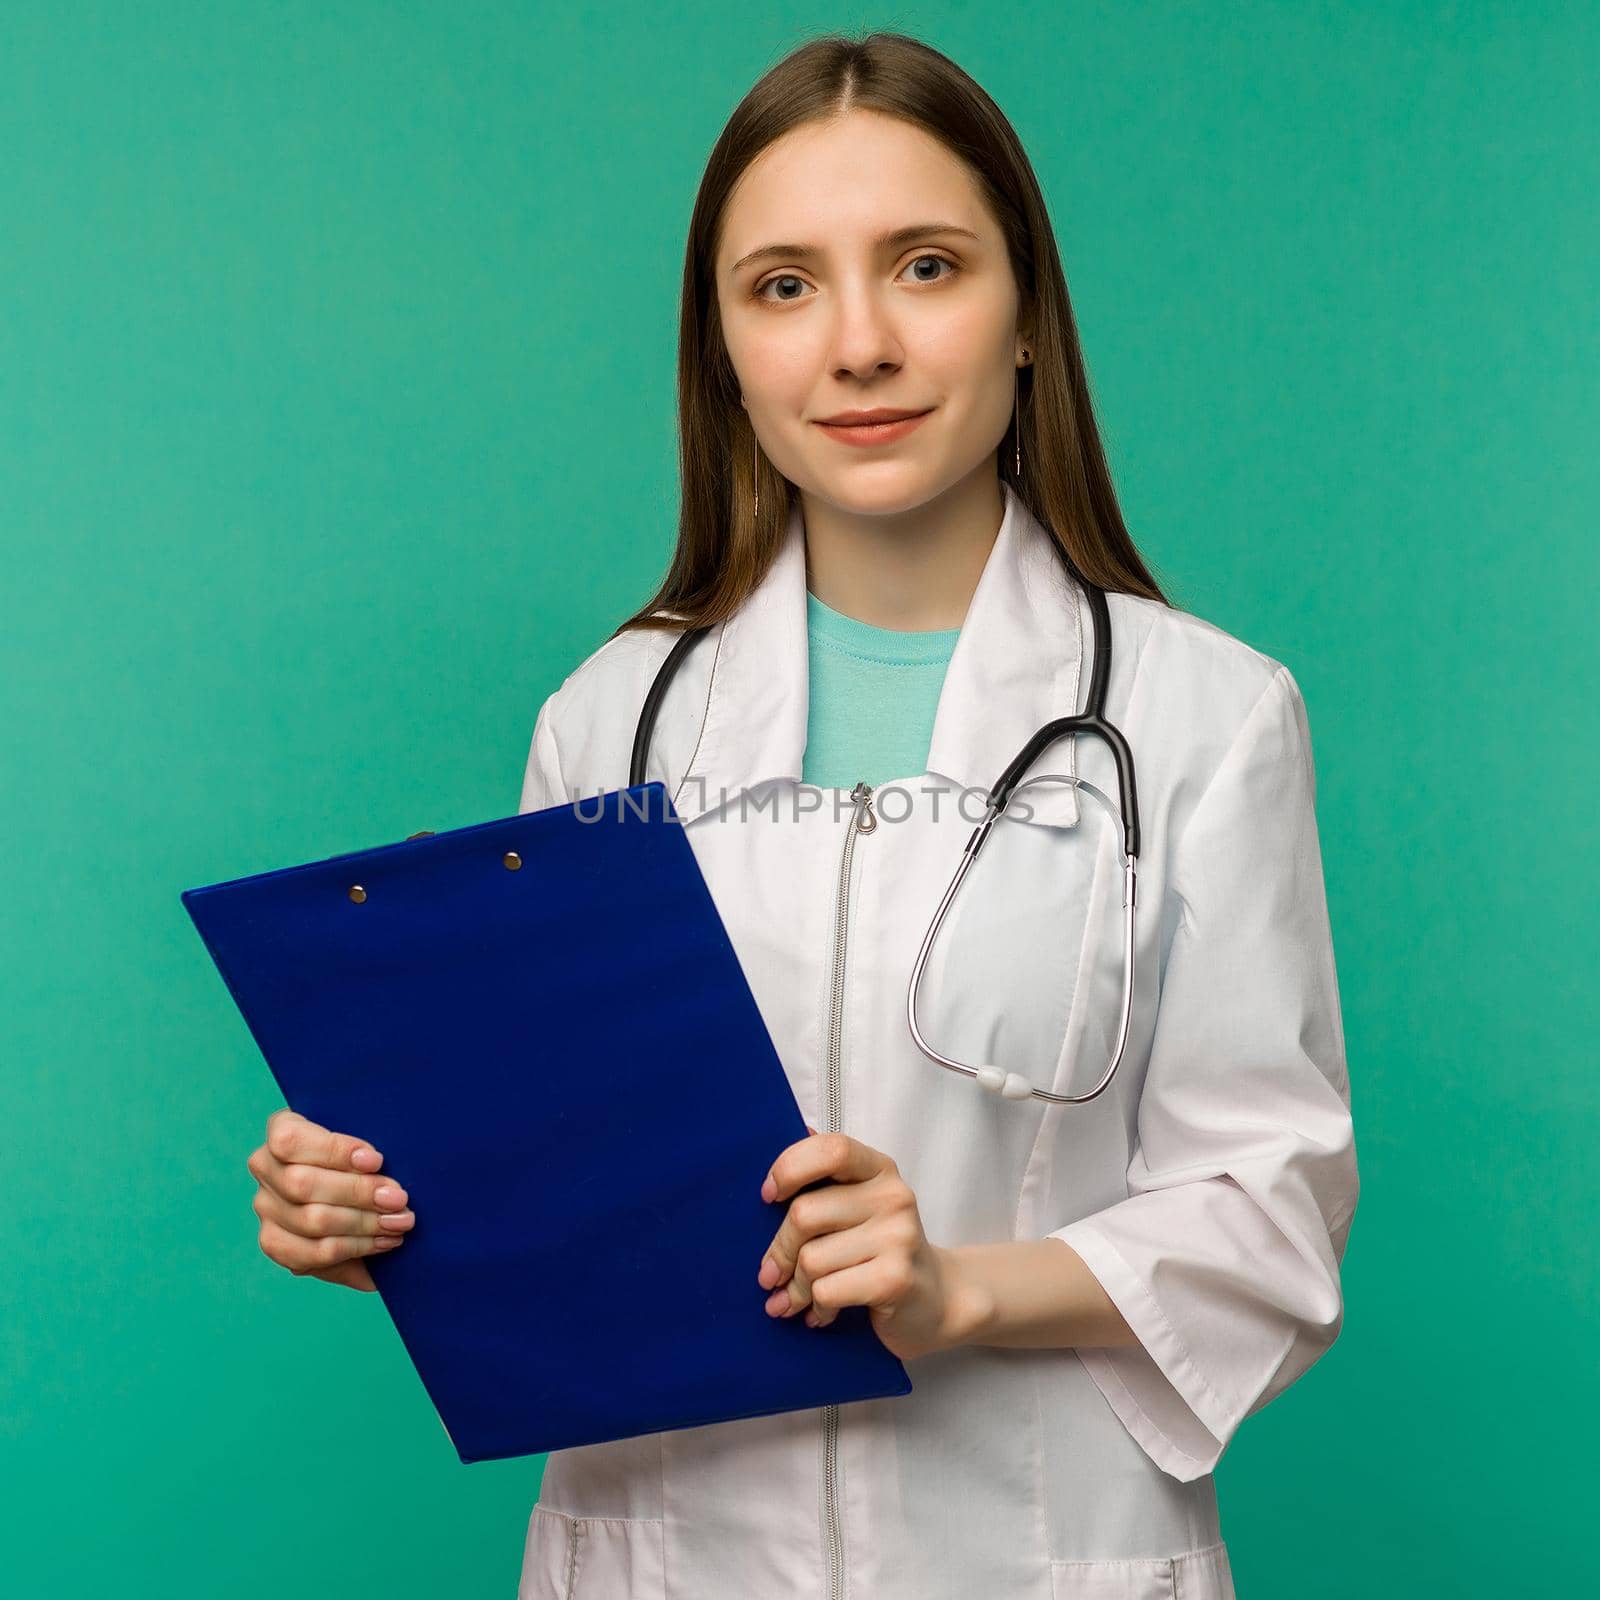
(1008, 1085)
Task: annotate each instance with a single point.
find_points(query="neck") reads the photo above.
(911, 569)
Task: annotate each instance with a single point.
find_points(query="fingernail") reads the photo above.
(389, 1195)
(387, 1241)
(769, 1190)
(397, 1221)
(364, 1153)
(768, 1274)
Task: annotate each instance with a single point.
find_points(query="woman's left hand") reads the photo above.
(857, 1241)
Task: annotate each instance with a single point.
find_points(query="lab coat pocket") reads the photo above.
(1040, 943)
(1002, 983)
(1202, 1574)
(592, 1558)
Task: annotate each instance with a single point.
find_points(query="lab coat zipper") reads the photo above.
(862, 820)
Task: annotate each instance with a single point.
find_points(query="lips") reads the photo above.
(866, 435)
(857, 419)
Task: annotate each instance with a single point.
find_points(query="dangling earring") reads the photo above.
(1016, 420)
(1016, 406)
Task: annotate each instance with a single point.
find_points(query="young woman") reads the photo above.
(864, 626)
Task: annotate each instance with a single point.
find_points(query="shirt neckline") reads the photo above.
(887, 646)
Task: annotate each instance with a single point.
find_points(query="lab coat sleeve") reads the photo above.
(543, 784)
(1224, 1258)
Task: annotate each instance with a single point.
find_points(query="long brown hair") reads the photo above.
(723, 548)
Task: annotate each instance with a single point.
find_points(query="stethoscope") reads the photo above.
(1008, 1085)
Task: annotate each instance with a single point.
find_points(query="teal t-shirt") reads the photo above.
(873, 694)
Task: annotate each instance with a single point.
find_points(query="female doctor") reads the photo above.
(896, 523)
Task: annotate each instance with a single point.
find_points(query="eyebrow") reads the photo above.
(809, 252)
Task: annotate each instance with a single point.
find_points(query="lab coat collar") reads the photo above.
(1016, 665)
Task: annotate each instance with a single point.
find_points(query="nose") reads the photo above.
(864, 341)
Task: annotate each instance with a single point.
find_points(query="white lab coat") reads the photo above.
(1210, 1188)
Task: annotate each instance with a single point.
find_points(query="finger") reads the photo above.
(869, 1283)
(825, 1255)
(819, 1316)
(288, 1147)
(822, 1155)
(301, 1183)
(794, 1296)
(292, 1137)
(815, 1212)
(302, 1255)
(316, 1219)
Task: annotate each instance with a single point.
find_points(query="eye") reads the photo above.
(783, 277)
(942, 260)
(759, 292)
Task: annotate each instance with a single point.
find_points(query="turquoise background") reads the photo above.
(336, 426)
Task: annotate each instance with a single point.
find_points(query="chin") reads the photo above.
(879, 489)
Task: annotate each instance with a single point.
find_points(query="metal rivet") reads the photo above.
(357, 893)
(512, 860)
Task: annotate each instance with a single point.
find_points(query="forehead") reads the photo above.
(840, 183)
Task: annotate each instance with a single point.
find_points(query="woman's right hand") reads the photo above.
(324, 1201)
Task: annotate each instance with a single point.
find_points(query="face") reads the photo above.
(824, 314)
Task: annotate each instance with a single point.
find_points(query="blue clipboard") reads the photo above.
(542, 1024)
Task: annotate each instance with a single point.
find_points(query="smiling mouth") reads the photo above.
(867, 432)
(869, 420)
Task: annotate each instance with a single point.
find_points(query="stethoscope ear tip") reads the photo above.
(1008, 1085)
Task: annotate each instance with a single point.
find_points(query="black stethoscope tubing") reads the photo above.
(1091, 720)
